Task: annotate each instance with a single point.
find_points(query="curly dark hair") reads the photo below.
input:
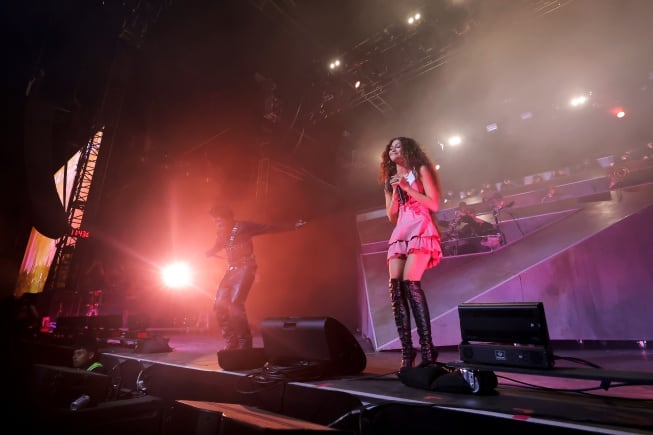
(415, 157)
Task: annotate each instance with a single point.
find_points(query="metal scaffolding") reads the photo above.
(60, 270)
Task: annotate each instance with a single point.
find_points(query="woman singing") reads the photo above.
(412, 194)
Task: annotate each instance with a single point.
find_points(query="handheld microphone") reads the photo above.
(402, 195)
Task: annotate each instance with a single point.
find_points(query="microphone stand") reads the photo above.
(495, 212)
(502, 236)
(517, 224)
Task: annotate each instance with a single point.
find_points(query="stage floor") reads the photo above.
(594, 387)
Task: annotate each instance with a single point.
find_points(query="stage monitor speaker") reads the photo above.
(324, 340)
(507, 355)
(511, 322)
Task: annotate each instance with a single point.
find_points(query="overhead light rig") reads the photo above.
(398, 53)
(414, 45)
(402, 51)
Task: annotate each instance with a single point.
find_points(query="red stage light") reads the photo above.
(618, 111)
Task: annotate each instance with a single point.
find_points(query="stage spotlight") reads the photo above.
(579, 100)
(414, 19)
(177, 275)
(618, 111)
(455, 140)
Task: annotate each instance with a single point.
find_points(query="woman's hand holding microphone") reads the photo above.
(399, 183)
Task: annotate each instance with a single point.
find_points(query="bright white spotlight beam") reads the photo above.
(177, 275)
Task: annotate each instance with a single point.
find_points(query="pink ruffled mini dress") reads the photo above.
(415, 230)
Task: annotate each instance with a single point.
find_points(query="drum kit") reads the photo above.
(467, 233)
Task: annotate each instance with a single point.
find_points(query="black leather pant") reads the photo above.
(230, 306)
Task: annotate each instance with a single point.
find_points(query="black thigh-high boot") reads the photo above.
(402, 320)
(422, 316)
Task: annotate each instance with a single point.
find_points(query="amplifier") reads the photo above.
(507, 355)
